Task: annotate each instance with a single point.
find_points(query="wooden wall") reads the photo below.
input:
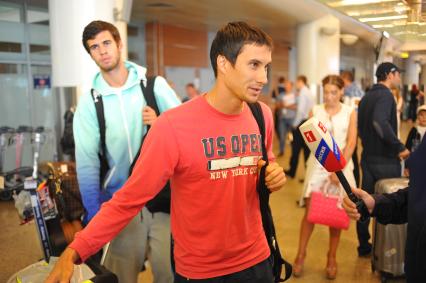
(280, 63)
(175, 46)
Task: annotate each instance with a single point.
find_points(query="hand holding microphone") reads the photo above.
(328, 154)
(351, 208)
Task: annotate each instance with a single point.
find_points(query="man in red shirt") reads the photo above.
(212, 165)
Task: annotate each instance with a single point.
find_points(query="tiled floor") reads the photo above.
(19, 245)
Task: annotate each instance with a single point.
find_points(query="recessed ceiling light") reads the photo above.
(357, 2)
(383, 26)
(387, 18)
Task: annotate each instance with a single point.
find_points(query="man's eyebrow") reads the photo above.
(255, 61)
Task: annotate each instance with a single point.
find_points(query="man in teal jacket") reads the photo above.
(126, 118)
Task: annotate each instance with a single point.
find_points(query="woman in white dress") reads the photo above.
(340, 120)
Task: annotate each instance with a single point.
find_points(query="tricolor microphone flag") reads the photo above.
(326, 151)
(322, 145)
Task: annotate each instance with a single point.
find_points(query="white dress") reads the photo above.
(316, 176)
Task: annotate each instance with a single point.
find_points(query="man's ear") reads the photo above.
(222, 64)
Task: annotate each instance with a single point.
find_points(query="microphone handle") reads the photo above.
(360, 205)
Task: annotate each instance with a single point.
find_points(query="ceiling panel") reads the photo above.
(208, 15)
(403, 19)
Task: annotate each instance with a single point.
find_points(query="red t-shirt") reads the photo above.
(211, 159)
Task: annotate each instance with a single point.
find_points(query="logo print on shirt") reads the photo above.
(243, 153)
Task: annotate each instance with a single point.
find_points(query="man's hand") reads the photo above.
(334, 179)
(64, 268)
(406, 172)
(274, 175)
(148, 115)
(404, 154)
(350, 207)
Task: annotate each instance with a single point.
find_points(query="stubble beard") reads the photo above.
(112, 67)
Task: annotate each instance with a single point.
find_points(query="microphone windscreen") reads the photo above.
(322, 145)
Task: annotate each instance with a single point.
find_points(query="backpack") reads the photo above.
(67, 140)
(161, 202)
(265, 210)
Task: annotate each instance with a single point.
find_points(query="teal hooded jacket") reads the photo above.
(124, 131)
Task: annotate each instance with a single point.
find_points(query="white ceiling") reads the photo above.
(403, 19)
(277, 17)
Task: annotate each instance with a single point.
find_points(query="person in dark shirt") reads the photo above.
(414, 102)
(382, 150)
(276, 94)
(417, 132)
(404, 206)
(191, 92)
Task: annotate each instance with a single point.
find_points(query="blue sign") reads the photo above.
(41, 81)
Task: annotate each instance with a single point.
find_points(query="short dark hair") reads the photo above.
(347, 75)
(281, 79)
(190, 85)
(382, 77)
(384, 69)
(303, 79)
(231, 38)
(333, 80)
(96, 27)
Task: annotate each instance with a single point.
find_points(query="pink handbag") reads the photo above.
(324, 209)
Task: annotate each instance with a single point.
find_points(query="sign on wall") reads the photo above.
(41, 81)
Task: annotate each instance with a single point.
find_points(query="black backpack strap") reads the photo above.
(99, 105)
(148, 94)
(263, 191)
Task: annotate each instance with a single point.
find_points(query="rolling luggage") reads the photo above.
(56, 231)
(389, 240)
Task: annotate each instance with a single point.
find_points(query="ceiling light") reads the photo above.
(383, 26)
(404, 55)
(329, 31)
(387, 18)
(349, 39)
(400, 8)
(357, 2)
(354, 14)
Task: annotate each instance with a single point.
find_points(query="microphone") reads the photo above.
(327, 152)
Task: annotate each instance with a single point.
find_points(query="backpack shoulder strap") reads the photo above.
(265, 210)
(148, 93)
(256, 109)
(99, 105)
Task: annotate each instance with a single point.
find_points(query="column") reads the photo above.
(71, 64)
(122, 11)
(423, 77)
(412, 71)
(318, 50)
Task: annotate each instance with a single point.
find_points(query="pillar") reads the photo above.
(318, 50)
(412, 72)
(71, 64)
